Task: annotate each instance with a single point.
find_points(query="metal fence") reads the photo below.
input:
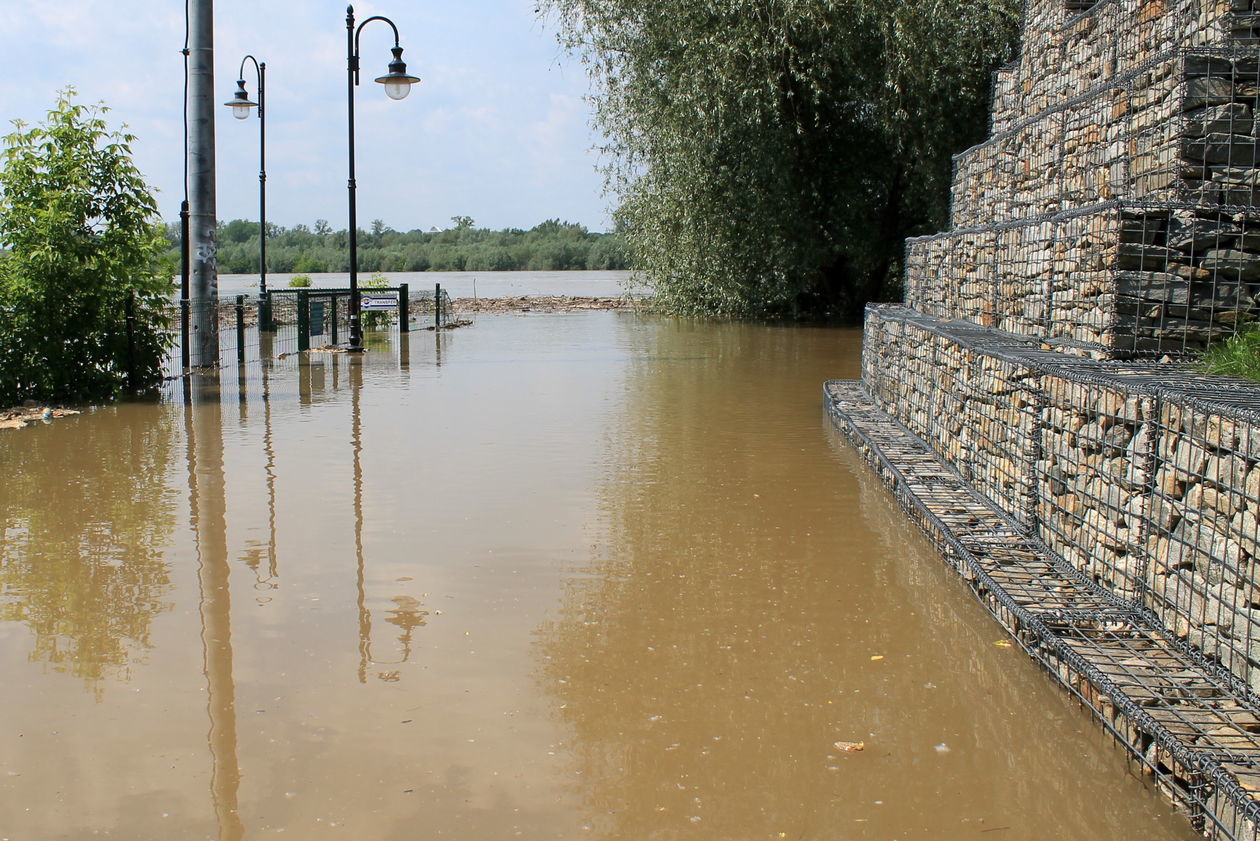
(293, 321)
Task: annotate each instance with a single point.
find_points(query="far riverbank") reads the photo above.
(461, 284)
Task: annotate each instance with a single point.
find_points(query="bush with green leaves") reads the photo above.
(85, 249)
(300, 281)
(376, 318)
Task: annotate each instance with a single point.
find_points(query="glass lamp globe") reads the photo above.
(397, 90)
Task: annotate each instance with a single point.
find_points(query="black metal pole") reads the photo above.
(262, 181)
(397, 73)
(240, 329)
(241, 101)
(185, 340)
(352, 72)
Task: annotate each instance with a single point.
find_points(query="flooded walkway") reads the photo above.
(570, 576)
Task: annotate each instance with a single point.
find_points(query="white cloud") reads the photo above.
(496, 130)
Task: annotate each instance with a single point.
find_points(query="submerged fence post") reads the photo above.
(240, 329)
(185, 341)
(303, 320)
(403, 304)
(332, 303)
(437, 306)
(131, 339)
(264, 313)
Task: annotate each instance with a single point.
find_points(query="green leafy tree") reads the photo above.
(553, 245)
(770, 156)
(85, 248)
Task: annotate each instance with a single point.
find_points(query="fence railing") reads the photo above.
(287, 321)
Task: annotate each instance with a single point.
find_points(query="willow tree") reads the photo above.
(770, 156)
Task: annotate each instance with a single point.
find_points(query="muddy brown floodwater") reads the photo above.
(576, 576)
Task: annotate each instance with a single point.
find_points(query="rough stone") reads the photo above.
(1229, 118)
(1207, 90)
(1146, 257)
(1232, 263)
(1220, 148)
(1196, 235)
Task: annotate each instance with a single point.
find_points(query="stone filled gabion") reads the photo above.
(1091, 478)
(1069, 48)
(1105, 510)
(975, 409)
(1180, 130)
(1200, 532)
(1126, 278)
(1144, 486)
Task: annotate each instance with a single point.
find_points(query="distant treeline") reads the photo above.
(551, 246)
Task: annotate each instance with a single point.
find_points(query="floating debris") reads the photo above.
(21, 416)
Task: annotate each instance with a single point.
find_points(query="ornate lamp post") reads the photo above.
(397, 85)
(241, 106)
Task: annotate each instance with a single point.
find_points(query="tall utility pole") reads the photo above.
(203, 240)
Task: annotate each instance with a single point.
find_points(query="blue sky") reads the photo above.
(498, 129)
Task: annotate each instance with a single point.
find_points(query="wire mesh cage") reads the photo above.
(1004, 110)
(1200, 526)
(977, 410)
(1092, 472)
(1123, 279)
(1187, 723)
(1070, 46)
(1023, 269)
(1144, 483)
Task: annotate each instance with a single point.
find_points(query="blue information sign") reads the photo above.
(369, 301)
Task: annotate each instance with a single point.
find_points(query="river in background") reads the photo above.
(580, 576)
(610, 284)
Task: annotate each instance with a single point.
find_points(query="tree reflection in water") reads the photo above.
(84, 510)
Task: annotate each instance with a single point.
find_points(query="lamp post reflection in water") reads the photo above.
(356, 444)
(407, 613)
(208, 510)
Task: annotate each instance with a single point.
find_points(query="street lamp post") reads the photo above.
(397, 85)
(241, 106)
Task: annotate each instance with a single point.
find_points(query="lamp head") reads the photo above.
(240, 103)
(397, 82)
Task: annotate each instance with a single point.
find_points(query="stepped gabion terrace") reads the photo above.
(1033, 404)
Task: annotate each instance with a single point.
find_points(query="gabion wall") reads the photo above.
(1145, 481)
(973, 408)
(1200, 527)
(1127, 279)
(1067, 49)
(1094, 471)
(1180, 129)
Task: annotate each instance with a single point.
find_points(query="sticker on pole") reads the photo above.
(369, 301)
